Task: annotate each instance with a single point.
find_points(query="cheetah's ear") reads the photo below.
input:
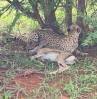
(79, 30)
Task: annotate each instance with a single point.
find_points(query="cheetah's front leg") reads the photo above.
(41, 45)
(80, 53)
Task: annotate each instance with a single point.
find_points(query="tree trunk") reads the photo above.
(80, 13)
(49, 8)
(68, 10)
(80, 22)
(50, 18)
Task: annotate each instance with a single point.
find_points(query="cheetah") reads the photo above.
(60, 45)
(49, 39)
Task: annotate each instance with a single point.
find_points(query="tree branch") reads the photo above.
(57, 4)
(4, 9)
(36, 12)
(17, 5)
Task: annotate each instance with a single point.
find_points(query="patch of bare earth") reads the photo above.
(33, 81)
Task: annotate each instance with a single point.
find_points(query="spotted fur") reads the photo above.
(48, 39)
(56, 41)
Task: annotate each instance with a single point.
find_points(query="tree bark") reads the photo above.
(68, 15)
(80, 22)
(17, 5)
(49, 8)
(36, 12)
(80, 13)
(49, 14)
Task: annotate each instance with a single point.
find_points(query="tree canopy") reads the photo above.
(44, 12)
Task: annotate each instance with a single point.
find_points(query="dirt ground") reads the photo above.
(33, 81)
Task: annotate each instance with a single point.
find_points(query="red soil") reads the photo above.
(33, 81)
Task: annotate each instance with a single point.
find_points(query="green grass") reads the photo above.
(46, 92)
(6, 95)
(82, 77)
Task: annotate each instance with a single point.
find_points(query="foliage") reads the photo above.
(91, 36)
(83, 77)
(91, 39)
(14, 19)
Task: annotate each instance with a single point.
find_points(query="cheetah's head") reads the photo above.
(74, 29)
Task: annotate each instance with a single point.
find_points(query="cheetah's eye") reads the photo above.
(68, 29)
